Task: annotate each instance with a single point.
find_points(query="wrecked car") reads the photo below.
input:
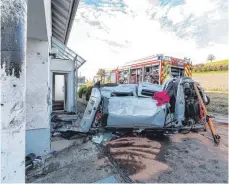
(177, 105)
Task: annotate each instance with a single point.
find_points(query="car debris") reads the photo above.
(103, 137)
(64, 122)
(128, 107)
(32, 161)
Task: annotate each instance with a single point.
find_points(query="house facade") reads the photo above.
(39, 75)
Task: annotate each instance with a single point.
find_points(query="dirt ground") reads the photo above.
(212, 81)
(219, 103)
(181, 158)
(189, 158)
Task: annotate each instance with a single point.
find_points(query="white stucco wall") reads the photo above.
(66, 66)
(38, 91)
(12, 90)
(38, 98)
(37, 84)
(62, 65)
(12, 120)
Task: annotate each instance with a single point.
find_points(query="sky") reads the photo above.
(108, 33)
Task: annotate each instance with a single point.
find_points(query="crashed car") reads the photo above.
(177, 105)
(132, 107)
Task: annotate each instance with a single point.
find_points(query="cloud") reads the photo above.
(108, 33)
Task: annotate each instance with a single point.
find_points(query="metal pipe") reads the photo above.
(215, 136)
(13, 59)
(75, 83)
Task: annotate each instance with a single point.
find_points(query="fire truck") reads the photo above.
(153, 69)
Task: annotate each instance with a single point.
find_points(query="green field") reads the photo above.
(216, 63)
(211, 72)
(219, 103)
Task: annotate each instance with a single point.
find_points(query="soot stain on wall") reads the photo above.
(13, 37)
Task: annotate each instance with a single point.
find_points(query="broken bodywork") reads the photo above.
(131, 107)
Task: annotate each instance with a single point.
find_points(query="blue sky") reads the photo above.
(108, 33)
(100, 3)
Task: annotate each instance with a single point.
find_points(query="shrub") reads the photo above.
(88, 93)
(221, 67)
(82, 91)
(209, 68)
(213, 66)
(205, 68)
(225, 67)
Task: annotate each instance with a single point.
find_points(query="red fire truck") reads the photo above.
(153, 69)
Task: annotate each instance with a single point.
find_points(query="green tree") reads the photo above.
(108, 79)
(101, 74)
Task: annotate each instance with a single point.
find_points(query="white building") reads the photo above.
(38, 80)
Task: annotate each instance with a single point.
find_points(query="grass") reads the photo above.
(219, 103)
(211, 72)
(211, 67)
(217, 90)
(216, 63)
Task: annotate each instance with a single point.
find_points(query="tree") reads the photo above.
(108, 79)
(101, 74)
(211, 57)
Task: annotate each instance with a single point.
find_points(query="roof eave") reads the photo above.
(71, 20)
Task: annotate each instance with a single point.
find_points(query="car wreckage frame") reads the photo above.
(176, 106)
(130, 107)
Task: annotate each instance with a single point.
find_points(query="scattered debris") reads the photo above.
(65, 124)
(102, 138)
(56, 134)
(37, 162)
(33, 161)
(98, 138)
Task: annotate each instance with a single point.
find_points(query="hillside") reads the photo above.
(217, 63)
(216, 66)
(212, 76)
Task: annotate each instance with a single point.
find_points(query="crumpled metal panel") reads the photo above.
(90, 112)
(180, 103)
(148, 87)
(123, 88)
(130, 112)
(174, 87)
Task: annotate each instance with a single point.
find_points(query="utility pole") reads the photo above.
(12, 85)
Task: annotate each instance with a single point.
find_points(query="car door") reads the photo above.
(91, 109)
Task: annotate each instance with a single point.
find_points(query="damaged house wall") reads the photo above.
(38, 98)
(12, 84)
(65, 67)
